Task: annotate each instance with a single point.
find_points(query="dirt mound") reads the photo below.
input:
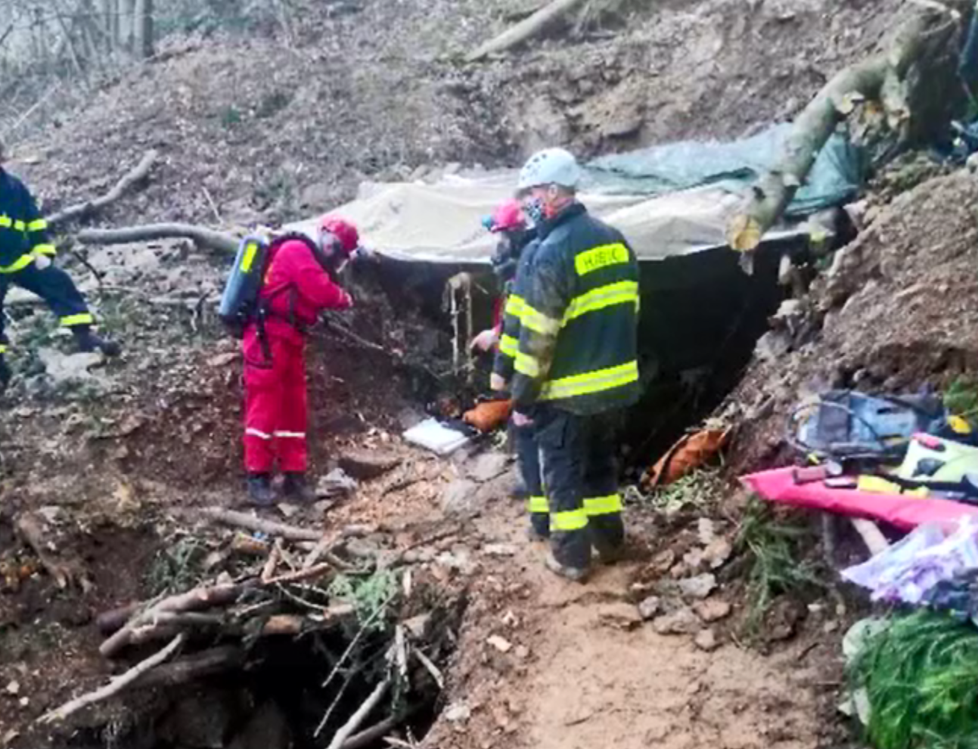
(898, 310)
(267, 129)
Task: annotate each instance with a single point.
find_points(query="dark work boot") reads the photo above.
(260, 490)
(297, 487)
(87, 342)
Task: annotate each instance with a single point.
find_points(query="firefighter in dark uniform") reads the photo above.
(25, 260)
(524, 438)
(576, 367)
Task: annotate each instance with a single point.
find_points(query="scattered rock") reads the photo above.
(707, 640)
(510, 619)
(782, 620)
(488, 466)
(417, 626)
(499, 643)
(222, 360)
(368, 464)
(499, 550)
(457, 712)
(718, 553)
(650, 607)
(336, 483)
(522, 652)
(712, 610)
(13, 688)
(459, 498)
(69, 367)
(681, 622)
(619, 615)
(694, 559)
(706, 531)
(459, 560)
(697, 587)
(662, 562)
(288, 509)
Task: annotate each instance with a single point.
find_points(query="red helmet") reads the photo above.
(507, 217)
(346, 233)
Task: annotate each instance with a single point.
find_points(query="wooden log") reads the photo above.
(201, 236)
(525, 29)
(356, 720)
(124, 185)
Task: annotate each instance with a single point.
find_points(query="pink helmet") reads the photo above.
(344, 232)
(507, 217)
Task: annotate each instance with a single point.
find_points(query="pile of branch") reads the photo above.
(280, 588)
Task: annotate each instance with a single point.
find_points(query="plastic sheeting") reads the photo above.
(835, 177)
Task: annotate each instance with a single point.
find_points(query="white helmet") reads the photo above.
(552, 166)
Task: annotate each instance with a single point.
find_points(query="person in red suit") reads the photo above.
(300, 283)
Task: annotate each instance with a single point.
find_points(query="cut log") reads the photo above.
(112, 621)
(124, 185)
(884, 77)
(195, 600)
(525, 29)
(204, 238)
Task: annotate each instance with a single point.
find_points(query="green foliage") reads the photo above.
(776, 567)
(369, 595)
(175, 567)
(961, 397)
(700, 491)
(921, 678)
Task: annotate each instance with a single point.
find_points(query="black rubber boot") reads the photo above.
(88, 341)
(260, 490)
(297, 487)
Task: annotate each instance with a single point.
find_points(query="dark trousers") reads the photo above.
(528, 460)
(55, 287)
(581, 479)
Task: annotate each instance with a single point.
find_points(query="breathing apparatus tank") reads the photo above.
(239, 301)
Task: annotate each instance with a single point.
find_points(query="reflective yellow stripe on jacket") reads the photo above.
(609, 505)
(590, 382)
(509, 346)
(19, 264)
(623, 292)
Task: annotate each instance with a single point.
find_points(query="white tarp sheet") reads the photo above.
(442, 222)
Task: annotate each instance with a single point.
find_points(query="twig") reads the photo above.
(272, 562)
(131, 178)
(400, 652)
(300, 575)
(370, 736)
(356, 720)
(432, 669)
(251, 523)
(113, 687)
(213, 205)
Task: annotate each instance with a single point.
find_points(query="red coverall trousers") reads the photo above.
(275, 404)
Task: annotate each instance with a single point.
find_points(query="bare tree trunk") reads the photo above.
(144, 29)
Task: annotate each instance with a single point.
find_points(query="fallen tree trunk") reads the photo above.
(883, 77)
(88, 208)
(204, 238)
(525, 29)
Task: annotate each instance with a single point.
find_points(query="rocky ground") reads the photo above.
(269, 128)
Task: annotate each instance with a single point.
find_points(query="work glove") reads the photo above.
(521, 419)
(489, 415)
(42, 261)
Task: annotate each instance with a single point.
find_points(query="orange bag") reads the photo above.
(489, 415)
(688, 454)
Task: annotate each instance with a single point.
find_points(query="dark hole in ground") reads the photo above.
(278, 701)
